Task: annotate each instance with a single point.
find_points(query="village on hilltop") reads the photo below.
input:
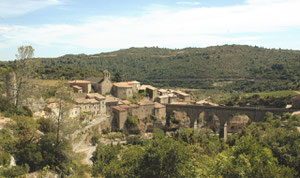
(121, 99)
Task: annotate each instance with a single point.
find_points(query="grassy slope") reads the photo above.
(274, 94)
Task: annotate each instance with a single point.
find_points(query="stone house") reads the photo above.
(143, 111)
(183, 97)
(151, 91)
(172, 98)
(135, 85)
(94, 104)
(88, 106)
(72, 112)
(77, 89)
(163, 99)
(75, 111)
(100, 99)
(120, 116)
(110, 102)
(162, 92)
(83, 86)
(122, 90)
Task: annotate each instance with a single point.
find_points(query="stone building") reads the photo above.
(135, 85)
(122, 90)
(100, 99)
(104, 86)
(83, 86)
(151, 91)
(72, 111)
(93, 103)
(77, 89)
(159, 110)
(163, 99)
(172, 98)
(182, 96)
(144, 111)
(110, 102)
(163, 92)
(75, 111)
(120, 116)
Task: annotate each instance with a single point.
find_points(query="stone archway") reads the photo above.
(237, 122)
(199, 121)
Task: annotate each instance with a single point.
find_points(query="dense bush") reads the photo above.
(257, 100)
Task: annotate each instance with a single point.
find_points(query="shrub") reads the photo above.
(131, 122)
(95, 138)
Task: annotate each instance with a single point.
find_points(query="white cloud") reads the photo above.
(18, 7)
(192, 27)
(188, 3)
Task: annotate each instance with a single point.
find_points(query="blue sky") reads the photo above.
(58, 27)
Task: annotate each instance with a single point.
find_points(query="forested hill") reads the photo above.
(230, 66)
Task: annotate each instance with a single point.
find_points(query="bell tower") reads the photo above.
(106, 75)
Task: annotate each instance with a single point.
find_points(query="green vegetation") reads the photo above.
(255, 69)
(131, 121)
(261, 100)
(95, 138)
(262, 149)
(33, 144)
(274, 94)
(9, 109)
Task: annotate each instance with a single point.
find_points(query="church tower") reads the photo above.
(104, 86)
(106, 75)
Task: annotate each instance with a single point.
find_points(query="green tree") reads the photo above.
(102, 157)
(166, 158)
(249, 159)
(118, 77)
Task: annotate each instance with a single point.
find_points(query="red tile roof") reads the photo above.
(118, 108)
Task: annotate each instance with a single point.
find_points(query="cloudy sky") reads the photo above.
(58, 27)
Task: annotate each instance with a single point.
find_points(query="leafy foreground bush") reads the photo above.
(34, 150)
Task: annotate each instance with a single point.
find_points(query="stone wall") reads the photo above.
(119, 118)
(122, 93)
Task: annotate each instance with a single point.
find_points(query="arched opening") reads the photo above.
(237, 122)
(200, 121)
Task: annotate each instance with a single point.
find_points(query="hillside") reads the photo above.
(230, 67)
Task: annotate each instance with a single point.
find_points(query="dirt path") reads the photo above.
(82, 146)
